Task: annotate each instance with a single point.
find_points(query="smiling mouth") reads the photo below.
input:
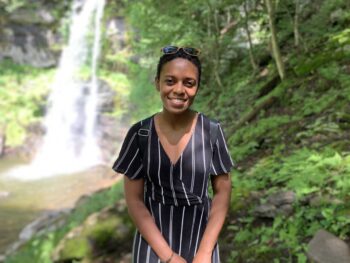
(177, 102)
(177, 99)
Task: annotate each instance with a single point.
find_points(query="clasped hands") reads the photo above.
(199, 258)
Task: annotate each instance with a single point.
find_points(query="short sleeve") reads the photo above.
(129, 161)
(221, 161)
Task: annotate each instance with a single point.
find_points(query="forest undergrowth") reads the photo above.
(288, 128)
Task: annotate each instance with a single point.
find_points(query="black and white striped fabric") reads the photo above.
(175, 193)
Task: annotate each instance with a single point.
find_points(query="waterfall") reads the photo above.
(90, 150)
(70, 144)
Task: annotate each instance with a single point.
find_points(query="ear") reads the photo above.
(156, 83)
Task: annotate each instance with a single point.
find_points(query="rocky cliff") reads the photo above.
(31, 33)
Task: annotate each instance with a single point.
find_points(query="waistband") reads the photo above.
(166, 197)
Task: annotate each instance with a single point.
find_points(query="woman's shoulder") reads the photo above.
(209, 119)
(141, 123)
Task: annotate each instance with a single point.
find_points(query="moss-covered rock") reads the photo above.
(106, 232)
(76, 247)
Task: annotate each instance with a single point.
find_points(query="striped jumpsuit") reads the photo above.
(176, 194)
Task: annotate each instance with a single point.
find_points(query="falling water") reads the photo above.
(90, 150)
(70, 143)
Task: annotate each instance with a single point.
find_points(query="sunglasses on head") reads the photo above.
(174, 49)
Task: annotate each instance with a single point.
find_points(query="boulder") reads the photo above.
(49, 221)
(280, 203)
(265, 211)
(285, 210)
(282, 198)
(317, 200)
(327, 248)
(109, 231)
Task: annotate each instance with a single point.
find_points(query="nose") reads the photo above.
(179, 88)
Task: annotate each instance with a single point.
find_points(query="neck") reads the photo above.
(177, 120)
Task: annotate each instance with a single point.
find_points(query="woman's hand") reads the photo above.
(134, 192)
(202, 257)
(219, 207)
(177, 259)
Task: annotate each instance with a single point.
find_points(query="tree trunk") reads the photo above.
(275, 49)
(217, 50)
(2, 142)
(296, 24)
(246, 26)
(212, 15)
(251, 114)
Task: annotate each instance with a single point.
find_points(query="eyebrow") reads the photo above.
(172, 76)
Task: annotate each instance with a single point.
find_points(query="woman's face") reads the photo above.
(177, 85)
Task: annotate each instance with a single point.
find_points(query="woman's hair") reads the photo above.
(180, 54)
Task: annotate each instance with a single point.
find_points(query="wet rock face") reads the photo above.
(34, 16)
(26, 44)
(110, 136)
(105, 100)
(110, 129)
(26, 35)
(327, 248)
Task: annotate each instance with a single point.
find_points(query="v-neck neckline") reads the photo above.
(184, 149)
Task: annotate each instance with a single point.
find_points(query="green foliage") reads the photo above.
(282, 147)
(250, 138)
(22, 90)
(314, 105)
(39, 248)
(75, 248)
(323, 174)
(144, 98)
(317, 60)
(342, 38)
(120, 83)
(304, 172)
(323, 14)
(12, 5)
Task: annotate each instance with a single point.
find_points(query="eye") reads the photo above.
(169, 81)
(190, 82)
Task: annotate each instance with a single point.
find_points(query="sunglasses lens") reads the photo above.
(173, 49)
(170, 49)
(191, 51)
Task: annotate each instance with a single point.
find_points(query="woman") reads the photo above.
(167, 160)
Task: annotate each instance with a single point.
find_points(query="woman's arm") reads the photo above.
(220, 204)
(134, 190)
